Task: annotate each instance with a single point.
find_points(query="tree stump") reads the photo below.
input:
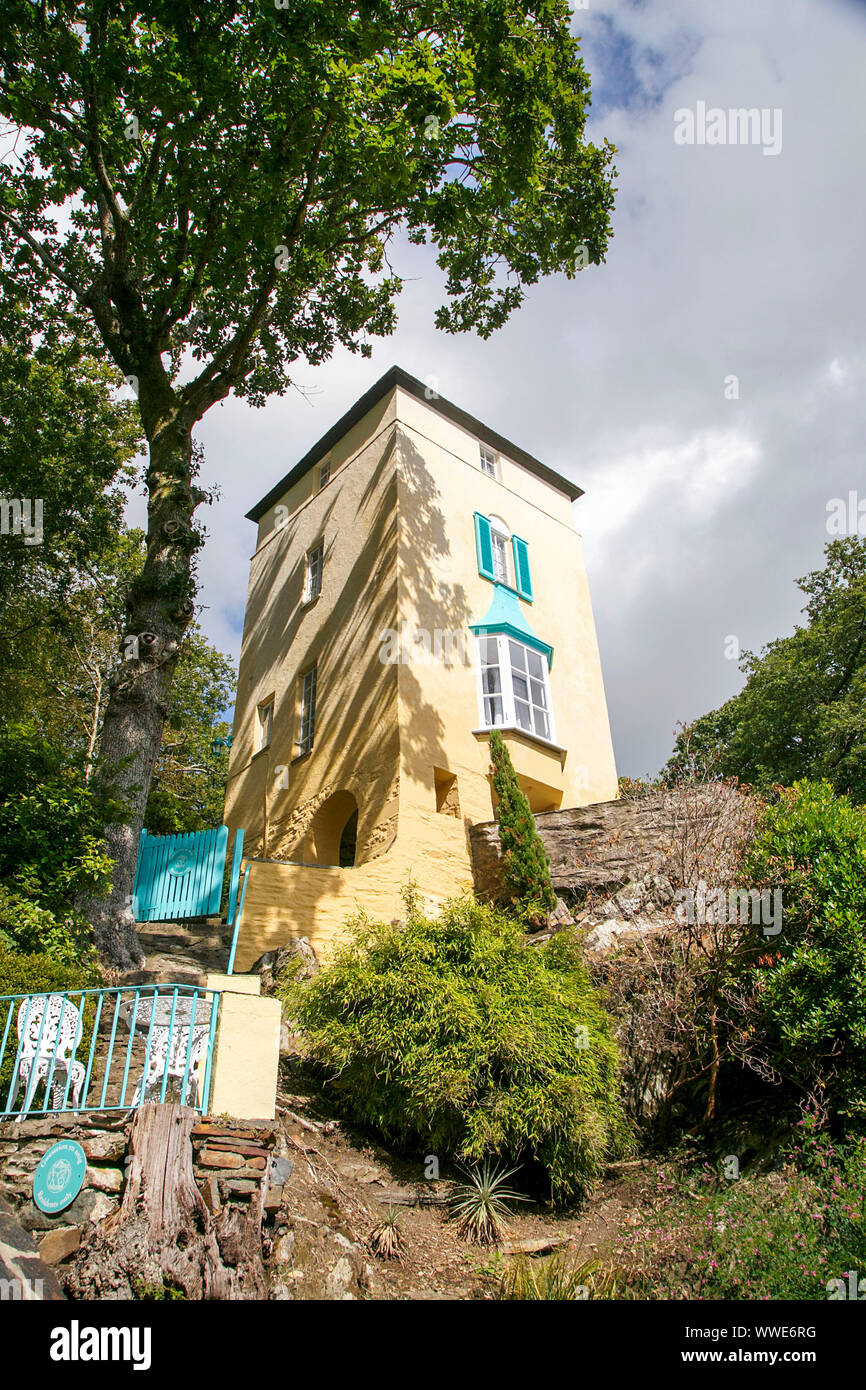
(163, 1241)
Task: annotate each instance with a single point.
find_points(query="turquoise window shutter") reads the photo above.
(484, 546)
(523, 578)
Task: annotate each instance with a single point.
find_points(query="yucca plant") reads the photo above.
(386, 1238)
(479, 1206)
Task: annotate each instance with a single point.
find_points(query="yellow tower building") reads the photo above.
(417, 581)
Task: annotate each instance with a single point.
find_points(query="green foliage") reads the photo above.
(457, 1036)
(789, 1239)
(27, 927)
(559, 1278)
(60, 646)
(249, 213)
(811, 978)
(34, 972)
(67, 440)
(50, 823)
(525, 866)
(802, 712)
(189, 782)
(787, 1234)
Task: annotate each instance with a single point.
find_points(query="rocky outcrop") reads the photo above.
(674, 837)
(591, 848)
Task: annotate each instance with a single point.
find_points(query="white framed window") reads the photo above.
(514, 686)
(500, 541)
(324, 474)
(307, 719)
(264, 724)
(489, 461)
(313, 576)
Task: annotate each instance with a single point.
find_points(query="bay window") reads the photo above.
(515, 686)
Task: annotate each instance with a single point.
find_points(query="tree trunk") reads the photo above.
(163, 1238)
(160, 607)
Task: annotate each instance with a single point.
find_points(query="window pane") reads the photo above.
(521, 686)
(539, 694)
(490, 683)
(524, 715)
(489, 651)
(518, 656)
(536, 664)
(500, 563)
(307, 730)
(492, 709)
(542, 727)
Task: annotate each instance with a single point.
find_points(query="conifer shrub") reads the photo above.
(458, 1037)
(525, 865)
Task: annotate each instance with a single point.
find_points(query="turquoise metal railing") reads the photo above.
(106, 1049)
(231, 965)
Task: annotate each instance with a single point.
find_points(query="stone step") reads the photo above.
(171, 973)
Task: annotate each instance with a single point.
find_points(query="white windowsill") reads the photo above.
(524, 733)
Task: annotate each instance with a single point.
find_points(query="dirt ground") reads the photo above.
(342, 1185)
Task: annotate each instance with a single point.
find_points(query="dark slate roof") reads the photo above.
(396, 376)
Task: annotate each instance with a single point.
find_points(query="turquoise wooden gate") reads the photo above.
(182, 875)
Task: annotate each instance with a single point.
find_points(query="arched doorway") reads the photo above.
(349, 841)
(335, 830)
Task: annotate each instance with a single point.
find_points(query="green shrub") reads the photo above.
(525, 866)
(27, 927)
(458, 1037)
(38, 973)
(810, 996)
(50, 823)
(786, 1234)
(788, 1238)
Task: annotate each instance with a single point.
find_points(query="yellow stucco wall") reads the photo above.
(397, 521)
(275, 794)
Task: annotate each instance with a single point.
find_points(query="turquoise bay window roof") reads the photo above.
(506, 615)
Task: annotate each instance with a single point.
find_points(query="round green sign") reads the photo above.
(181, 862)
(57, 1181)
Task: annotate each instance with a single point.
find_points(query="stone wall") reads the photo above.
(231, 1162)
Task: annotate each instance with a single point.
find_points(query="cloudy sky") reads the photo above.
(700, 510)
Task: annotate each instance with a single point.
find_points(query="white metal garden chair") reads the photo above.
(168, 1058)
(166, 1024)
(49, 1031)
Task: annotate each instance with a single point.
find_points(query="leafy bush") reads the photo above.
(791, 1241)
(787, 1234)
(810, 993)
(25, 926)
(525, 866)
(50, 823)
(460, 1037)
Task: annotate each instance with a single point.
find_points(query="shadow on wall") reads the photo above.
(357, 725)
(439, 603)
